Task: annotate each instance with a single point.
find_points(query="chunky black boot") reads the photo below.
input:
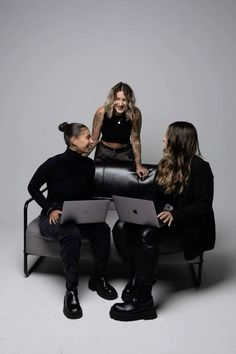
(129, 290)
(140, 307)
(135, 309)
(102, 287)
(72, 307)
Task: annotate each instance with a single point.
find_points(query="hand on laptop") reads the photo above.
(166, 217)
(54, 217)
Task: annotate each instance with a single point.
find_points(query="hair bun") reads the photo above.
(62, 126)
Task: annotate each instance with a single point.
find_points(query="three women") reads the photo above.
(183, 180)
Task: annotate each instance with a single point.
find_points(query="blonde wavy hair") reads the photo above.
(129, 95)
(181, 146)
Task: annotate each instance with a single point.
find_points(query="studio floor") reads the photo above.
(189, 320)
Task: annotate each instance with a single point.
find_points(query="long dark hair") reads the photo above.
(71, 129)
(182, 145)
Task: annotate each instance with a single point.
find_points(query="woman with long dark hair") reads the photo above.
(184, 183)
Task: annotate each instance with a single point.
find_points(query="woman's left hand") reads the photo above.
(142, 172)
(166, 217)
(54, 217)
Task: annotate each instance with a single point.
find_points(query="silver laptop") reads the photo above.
(137, 211)
(84, 211)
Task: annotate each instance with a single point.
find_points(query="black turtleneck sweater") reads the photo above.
(68, 176)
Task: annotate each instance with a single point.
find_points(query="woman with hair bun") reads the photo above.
(118, 122)
(69, 176)
(183, 194)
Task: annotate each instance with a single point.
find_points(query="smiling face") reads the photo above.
(83, 142)
(120, 102)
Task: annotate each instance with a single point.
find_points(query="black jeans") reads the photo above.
(140, 247)
(69, 237)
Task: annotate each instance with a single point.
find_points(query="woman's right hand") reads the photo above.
(142, 172)
(166, 217)
(54, 217)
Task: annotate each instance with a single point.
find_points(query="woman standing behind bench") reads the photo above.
(69, 176)
(119, 122)
(184, 181)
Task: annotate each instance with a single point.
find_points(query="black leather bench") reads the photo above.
(110, 179)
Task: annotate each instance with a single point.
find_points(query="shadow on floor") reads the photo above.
(172, 278)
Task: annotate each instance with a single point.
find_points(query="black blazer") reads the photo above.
(193, 213)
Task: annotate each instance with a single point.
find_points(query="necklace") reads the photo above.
(119, 120)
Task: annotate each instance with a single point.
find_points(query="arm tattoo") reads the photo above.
(96, 130)
(135, 137)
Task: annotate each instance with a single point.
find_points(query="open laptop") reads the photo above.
(84, 211)
(137, 211)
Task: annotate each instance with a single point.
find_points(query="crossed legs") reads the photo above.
(138, 249)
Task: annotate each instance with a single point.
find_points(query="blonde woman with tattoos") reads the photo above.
(116, 129)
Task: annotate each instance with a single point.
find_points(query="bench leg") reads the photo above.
(197, 275)
(27, 271)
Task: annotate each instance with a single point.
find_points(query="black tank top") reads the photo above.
(116, 129)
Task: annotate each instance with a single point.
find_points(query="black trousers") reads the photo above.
(69, 237)
(140, 247)
(107, 154)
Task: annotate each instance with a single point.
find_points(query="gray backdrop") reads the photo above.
(60, 58)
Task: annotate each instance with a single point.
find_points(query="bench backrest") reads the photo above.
(120, 179)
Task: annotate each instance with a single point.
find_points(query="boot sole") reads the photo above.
(147, 314)
(72, 316)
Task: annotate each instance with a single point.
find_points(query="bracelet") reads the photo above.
(50, 210)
